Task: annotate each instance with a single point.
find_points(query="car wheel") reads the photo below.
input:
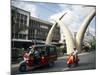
(51, 64)
(23, 68)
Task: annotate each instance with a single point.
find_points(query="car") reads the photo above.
(47, 55)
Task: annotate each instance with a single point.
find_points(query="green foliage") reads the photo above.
(93, 43)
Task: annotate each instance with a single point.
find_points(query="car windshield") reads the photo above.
(42, 50)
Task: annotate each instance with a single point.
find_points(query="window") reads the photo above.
(24, 36)
(42, 50)
(16, 36)
(52, 50)
(21, 21)
(43, 26)
(25, 17)
(18, 15)
(20, 36)
(25, 22)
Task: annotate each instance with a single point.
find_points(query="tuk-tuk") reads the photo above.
(41, 55)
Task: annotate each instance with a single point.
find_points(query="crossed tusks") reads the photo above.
(70, 41)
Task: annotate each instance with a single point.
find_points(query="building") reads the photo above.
(38, 30)
(19, 23)
(26, 29)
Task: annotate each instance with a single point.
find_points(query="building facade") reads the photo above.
(19, 23)
(26, 29)
(38, 30)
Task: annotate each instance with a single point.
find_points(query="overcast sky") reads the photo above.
(48, 11)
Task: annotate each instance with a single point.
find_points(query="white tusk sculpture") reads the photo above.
(50, 34)
(82, 29)
(68, 37)
(70, 42)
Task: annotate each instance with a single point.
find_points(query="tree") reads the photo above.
(93, 44)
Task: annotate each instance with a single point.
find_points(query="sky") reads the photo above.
(49, 11)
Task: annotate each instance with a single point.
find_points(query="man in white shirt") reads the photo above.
(75, 53)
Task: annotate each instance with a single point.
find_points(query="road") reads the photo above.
(87, 61)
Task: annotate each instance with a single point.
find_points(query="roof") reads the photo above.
(40, 20)
(13, 7)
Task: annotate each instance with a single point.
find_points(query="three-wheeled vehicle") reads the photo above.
(46, 55)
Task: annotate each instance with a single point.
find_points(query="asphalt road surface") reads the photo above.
(87, 62)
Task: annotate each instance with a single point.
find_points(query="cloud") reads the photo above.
(75, 15)
(73, 19)
(67, 18)
(26, 6)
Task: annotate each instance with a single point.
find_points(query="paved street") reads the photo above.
(87, 61)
